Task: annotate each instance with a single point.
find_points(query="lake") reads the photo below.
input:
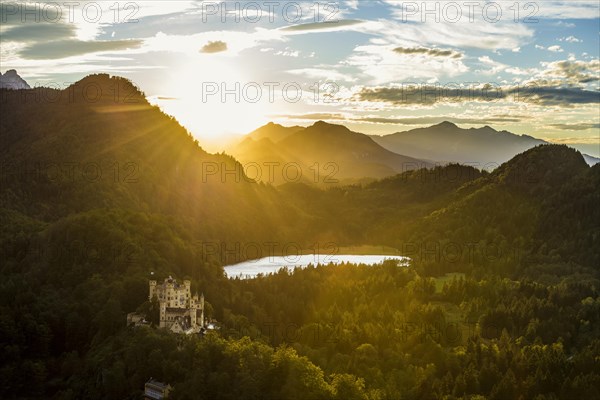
(268, 265)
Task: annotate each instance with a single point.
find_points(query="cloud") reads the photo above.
(288, 52)
(555, 49)
(428, 120)
(322, 26)
(29, 33)
(428, 95)
(437, 120)
(417, 27)
(429, 52)
(214, 47)
(313, 116)
(492, 67)
(557, 96)
(570, 39)
(73, 47)
(567, 9)
(490, 36)
(573, 71)
(329, 74)
(591, 144)
(576, 127)
(385, 63)
(236, 41)
(87, 23)
(353, 4)
(548, 9)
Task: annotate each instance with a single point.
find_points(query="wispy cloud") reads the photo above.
(385, 63)
(328, 26)
(576, 127)
(74, 47)
(431, 95)
(433, 52)
(425, 120)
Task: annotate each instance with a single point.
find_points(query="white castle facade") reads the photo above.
(180, 312)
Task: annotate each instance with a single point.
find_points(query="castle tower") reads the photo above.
(202, 310)
(194, 310)
(152, 291)
(170, 291)
(163, 315)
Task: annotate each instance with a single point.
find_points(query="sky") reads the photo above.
(376, 66)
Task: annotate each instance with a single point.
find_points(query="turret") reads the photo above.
(194, 310)
(163, 315)
(152, 290)
(202, 310)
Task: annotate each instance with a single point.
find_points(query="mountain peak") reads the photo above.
(274, 132)
(321, 123)
(269, 125)
(103, 88)
(12, 80)
(326, 125)
(446, 125)
(488, 128)
(541, 167)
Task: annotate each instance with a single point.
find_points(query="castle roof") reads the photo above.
(172, 281)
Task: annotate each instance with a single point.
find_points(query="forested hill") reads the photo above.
(98, 157)
(99, 145)
(99, 189)
(539, 207)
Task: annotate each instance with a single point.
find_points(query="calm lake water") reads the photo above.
(268, 265)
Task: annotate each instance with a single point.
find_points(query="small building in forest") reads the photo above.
(154, 390)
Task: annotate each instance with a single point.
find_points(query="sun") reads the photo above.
(213, 97)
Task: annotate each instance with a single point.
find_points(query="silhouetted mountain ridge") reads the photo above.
(351, 155)
(274, 132)
(446, 142)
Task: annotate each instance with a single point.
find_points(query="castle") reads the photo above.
(179, 311)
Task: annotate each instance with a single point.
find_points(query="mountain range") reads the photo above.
(357, 156)
(76, 157)
(446, 142)
(332, 152)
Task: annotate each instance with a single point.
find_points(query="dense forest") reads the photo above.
(501, 299)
